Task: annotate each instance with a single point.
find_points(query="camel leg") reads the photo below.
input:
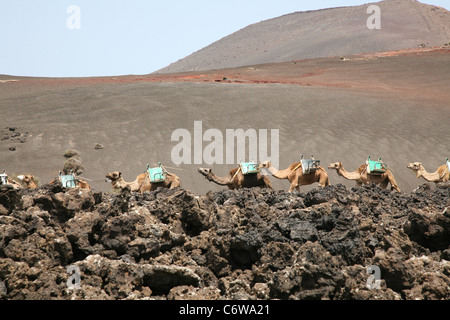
(175, 184)
(394, 185)
(384, 184)
(323, 182)
(267, 183)
(293, 186)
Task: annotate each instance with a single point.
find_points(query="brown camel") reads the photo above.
(362, 177)
(142, 182)
(355, 175)
(442, 174)
(6, 180)
(14, 184)
(83, 184)
(77, 182)
(294, 174)
(28, 181)
(119, 183)
(237, 180)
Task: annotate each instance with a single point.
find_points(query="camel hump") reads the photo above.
(233, 171)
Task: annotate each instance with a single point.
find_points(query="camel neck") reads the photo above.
(223, 181)
(431, 177)
(348, 175)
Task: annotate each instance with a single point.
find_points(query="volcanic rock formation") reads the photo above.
(233, 244)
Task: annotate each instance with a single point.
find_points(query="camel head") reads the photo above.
(415, 166)
(265, 165)
(335, 165)
(28, 179)
(205, 171)
(113, 176)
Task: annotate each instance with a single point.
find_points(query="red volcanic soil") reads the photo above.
(356, 72)
(407, 72)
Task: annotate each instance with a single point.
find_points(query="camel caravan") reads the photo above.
(30, 182)
(246, 175)
(308, 171)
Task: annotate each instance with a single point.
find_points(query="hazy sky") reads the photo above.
(59, 38)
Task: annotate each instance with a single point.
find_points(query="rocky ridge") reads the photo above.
(245, 244)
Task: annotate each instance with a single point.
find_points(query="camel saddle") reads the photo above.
(376, 167)
(309, 165)
(3, 179)
(249, 167)
(448, 165)
(68, 181)
(157, 174)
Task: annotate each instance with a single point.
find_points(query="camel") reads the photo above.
(10, 182)
(118, 183)
(83, 184)
(355, 175)
(142, 182)
(28, 181)
(362, 177)
(442, 174)
(80, 183)
(296, 177)
(14, 184)
(237, 180)
(6, 180)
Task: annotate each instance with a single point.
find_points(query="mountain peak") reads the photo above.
(322, 33)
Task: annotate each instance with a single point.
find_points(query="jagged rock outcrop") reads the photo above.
(233, 244)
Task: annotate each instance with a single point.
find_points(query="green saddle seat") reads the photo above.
(157, 174)
(376, 167)
(68, 181)
(249, 168)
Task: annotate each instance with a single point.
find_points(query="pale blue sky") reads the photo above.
(119, 37)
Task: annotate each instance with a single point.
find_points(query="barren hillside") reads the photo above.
(323, 33)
